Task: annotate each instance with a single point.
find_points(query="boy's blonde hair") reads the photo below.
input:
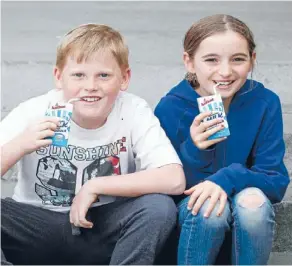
(85, 40)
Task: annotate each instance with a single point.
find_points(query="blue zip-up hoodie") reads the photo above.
(252, 156)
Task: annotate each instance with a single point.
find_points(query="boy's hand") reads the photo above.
(81, 203)
(203, 191)
(34, 136)
(200, 134)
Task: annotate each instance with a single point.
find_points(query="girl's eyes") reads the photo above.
(236, 59)
(211, 60)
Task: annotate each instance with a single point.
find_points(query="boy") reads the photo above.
(111, 132)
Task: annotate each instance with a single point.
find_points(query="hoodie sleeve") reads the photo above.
(193, 159)
(268, 171)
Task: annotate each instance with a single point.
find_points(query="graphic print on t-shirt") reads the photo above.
(57, 171)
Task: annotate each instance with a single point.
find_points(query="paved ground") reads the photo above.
(154, 32)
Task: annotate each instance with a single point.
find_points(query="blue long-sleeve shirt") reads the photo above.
(252, 156)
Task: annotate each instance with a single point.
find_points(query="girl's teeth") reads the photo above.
(224, 83)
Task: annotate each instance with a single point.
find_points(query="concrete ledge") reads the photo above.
(283, 233)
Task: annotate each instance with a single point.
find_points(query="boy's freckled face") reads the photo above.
(223, 57)
(97, 81)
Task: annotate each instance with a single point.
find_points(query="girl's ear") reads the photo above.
(253, 61)
(189, 63)
(57, 74)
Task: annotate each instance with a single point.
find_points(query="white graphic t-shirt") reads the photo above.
(129, 141)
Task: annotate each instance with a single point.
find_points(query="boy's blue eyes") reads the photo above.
(80, 75)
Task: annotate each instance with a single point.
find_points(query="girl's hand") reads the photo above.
(81, 203)
(203, 191)
(200, 134)
(34, 136)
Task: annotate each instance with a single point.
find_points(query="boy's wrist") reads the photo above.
(93, 186)
(19, 145)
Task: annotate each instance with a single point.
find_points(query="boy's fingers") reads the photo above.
(46, 133)
(48, 125)
(44, 142)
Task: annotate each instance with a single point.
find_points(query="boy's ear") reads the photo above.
(189, 63)
(57, 74)
(126, 79)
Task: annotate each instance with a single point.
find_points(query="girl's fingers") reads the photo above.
(200, 201)
(198, 119)
(223, 200)
(205, 135)
(193, 198)
(211, 123)
(190, 190)
(212, 203)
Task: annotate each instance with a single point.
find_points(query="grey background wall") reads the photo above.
(154, 33)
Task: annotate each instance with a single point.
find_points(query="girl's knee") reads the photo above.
(213, 220)
(252, 207)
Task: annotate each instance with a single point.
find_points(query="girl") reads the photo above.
(231, 182)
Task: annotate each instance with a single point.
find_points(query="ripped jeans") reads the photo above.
(250, 217)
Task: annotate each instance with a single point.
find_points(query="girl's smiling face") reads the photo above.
(222, 57)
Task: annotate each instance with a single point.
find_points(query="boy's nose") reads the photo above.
(90, 85)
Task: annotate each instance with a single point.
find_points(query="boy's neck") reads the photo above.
(89, 124)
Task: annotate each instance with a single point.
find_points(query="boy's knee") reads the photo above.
(159, 208)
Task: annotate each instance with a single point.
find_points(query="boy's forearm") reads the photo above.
(168, 179)
(11, 153)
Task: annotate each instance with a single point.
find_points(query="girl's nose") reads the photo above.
(225, 70)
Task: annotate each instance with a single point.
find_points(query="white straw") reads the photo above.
(215, 86)
(74, 100)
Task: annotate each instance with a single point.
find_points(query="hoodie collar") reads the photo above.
(185, 91)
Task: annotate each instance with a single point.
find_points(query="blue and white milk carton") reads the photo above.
(214, 103)
(64, 111)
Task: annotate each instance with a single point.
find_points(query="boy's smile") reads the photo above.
(97, 82)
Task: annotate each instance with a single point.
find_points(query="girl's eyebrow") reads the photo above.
(207, 55)
(237, 54)
(241, 54)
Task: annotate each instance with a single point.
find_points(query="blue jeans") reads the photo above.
(249, 215)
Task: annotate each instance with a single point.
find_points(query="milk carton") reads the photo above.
(214, 103)
(64, 111)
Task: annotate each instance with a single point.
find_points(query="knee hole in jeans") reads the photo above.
(251, 200)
